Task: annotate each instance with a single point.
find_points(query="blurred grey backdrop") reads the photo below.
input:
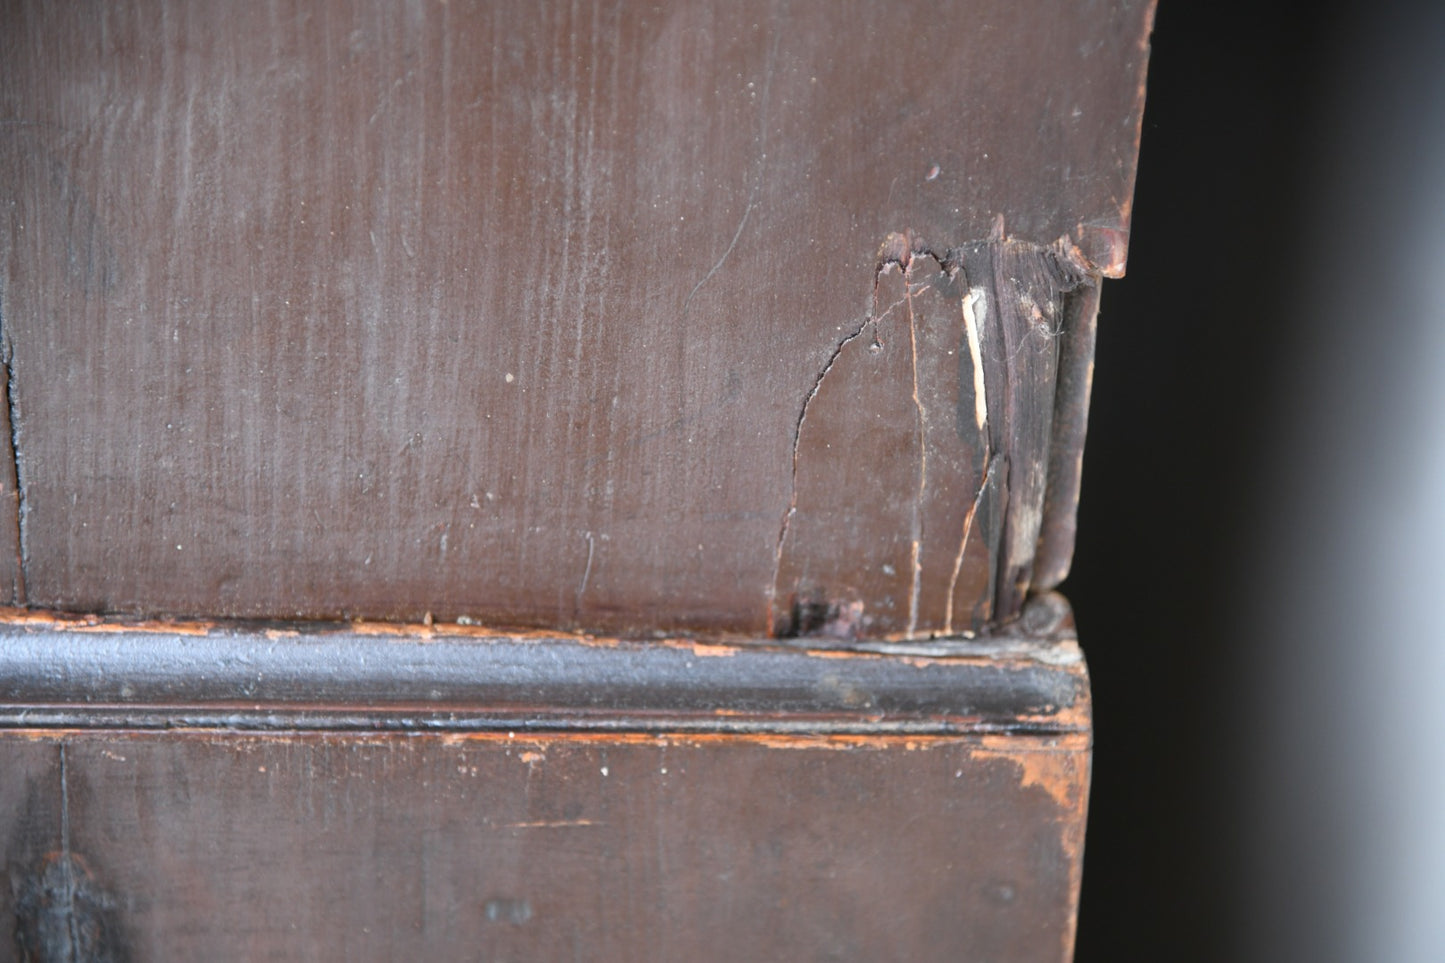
(1262, 534)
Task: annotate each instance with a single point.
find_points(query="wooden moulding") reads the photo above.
(368, 791)
(753, 337)
(58, 672)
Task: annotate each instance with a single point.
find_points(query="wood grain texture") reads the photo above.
(264, 791)
(554, 848)
(348, 309)
(961, 350)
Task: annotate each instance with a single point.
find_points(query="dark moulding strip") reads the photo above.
(96, 674)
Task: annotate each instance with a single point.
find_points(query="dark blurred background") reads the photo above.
(1262, 533)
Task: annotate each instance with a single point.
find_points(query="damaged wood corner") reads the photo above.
(935, 462)
(1073, 388)
(459, 588)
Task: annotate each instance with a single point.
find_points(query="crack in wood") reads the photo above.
(1004, 307)
(776, 626)
(917, 520)
(22, 555)
(66, 860)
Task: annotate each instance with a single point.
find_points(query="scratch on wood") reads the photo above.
(792, 505)
(68, 871)
(757, 178)
(916, 558)
(587, 569)
(553, 824)
(962, 547)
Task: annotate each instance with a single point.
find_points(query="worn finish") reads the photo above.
(1075, 379)
(962, 349)
(352, 309)
(753, 338)
(557, 848)
(61, 914)
(229, 791)
(368, 677)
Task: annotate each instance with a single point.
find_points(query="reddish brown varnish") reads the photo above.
(347, 309)
(740, 334)
(657, 848)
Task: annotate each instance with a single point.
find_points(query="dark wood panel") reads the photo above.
(353, 309)
(546, 848)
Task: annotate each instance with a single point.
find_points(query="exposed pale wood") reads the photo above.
(340, 308)
(924, 447)
(223, 791)
(766, 324)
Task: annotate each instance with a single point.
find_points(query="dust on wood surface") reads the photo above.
(341, 309)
